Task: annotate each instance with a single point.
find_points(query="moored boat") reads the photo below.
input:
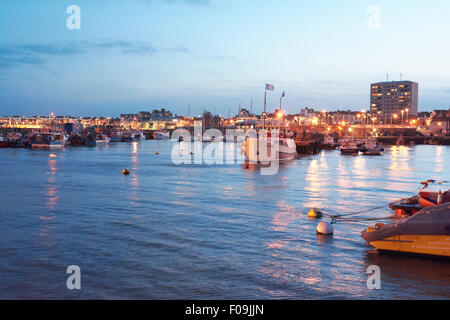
(329, 143)
(372, 148)
(15, 140)
(57, 140)
(40, 141)
(283, 147)
(161, 135)
(427, 232)
(116, 137)
(90, 141)
(102, 139)
(349, 147)
(3, 141)
(426, 198)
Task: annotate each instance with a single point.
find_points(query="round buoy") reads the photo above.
(52, 155)
(324, 228)
(192, 153)
(125, 172)
(157, 153)
(314, 213)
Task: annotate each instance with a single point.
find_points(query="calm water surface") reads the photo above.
(204, 231)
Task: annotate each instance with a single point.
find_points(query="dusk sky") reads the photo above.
(132, 55)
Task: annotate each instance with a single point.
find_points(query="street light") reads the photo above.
(407, 115)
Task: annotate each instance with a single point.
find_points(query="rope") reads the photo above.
(354, 213)
(349, 217)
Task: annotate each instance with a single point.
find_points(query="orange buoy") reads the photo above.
(157, 153)
(125, 172)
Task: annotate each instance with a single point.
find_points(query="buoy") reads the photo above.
(192, 153)
(157, 153)
(52, 155)
(314, 213)
(125, 172)
(325, 228)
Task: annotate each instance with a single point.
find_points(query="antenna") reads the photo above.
(251, 105)
(387, 77)
(401, 76)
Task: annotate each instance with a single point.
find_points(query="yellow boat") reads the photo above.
(427, 232)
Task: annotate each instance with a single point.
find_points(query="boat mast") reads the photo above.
(264, 113)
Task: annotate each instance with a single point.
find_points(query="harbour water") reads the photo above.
(205, 231)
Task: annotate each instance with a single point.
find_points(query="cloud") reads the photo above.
(38, 54)
(191, 2)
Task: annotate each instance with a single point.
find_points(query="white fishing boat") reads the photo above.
(268, 149)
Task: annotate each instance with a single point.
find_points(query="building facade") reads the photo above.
(394, 98)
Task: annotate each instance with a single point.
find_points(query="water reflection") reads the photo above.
(439, 161)
(52, 187)
(52, 196)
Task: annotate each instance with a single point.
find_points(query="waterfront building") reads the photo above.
(399, 98)
(440, 122)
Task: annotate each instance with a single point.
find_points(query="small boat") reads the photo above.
(15, 140)
(76, 140)
(48, 140)
(3, 141)
(161, 135)
(400, 141)
(39, 141)
(426, 233)
(116, 137)
(90, 141)
(138, 136)
(127, 137)
(426, 198)
(58, 140)
(102, 139)
(371, 147)
(328, 143)
(349, 147)
(284, 148)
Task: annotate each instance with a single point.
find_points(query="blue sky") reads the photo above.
(132, 55)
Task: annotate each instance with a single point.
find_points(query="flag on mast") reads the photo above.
(283, 95)
(269, 87)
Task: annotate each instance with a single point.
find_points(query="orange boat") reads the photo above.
(425, 198)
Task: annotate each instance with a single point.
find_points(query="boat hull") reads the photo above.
(283, 153)
(161, 136)
(436, 245)
(349, 152)
(425, 233)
